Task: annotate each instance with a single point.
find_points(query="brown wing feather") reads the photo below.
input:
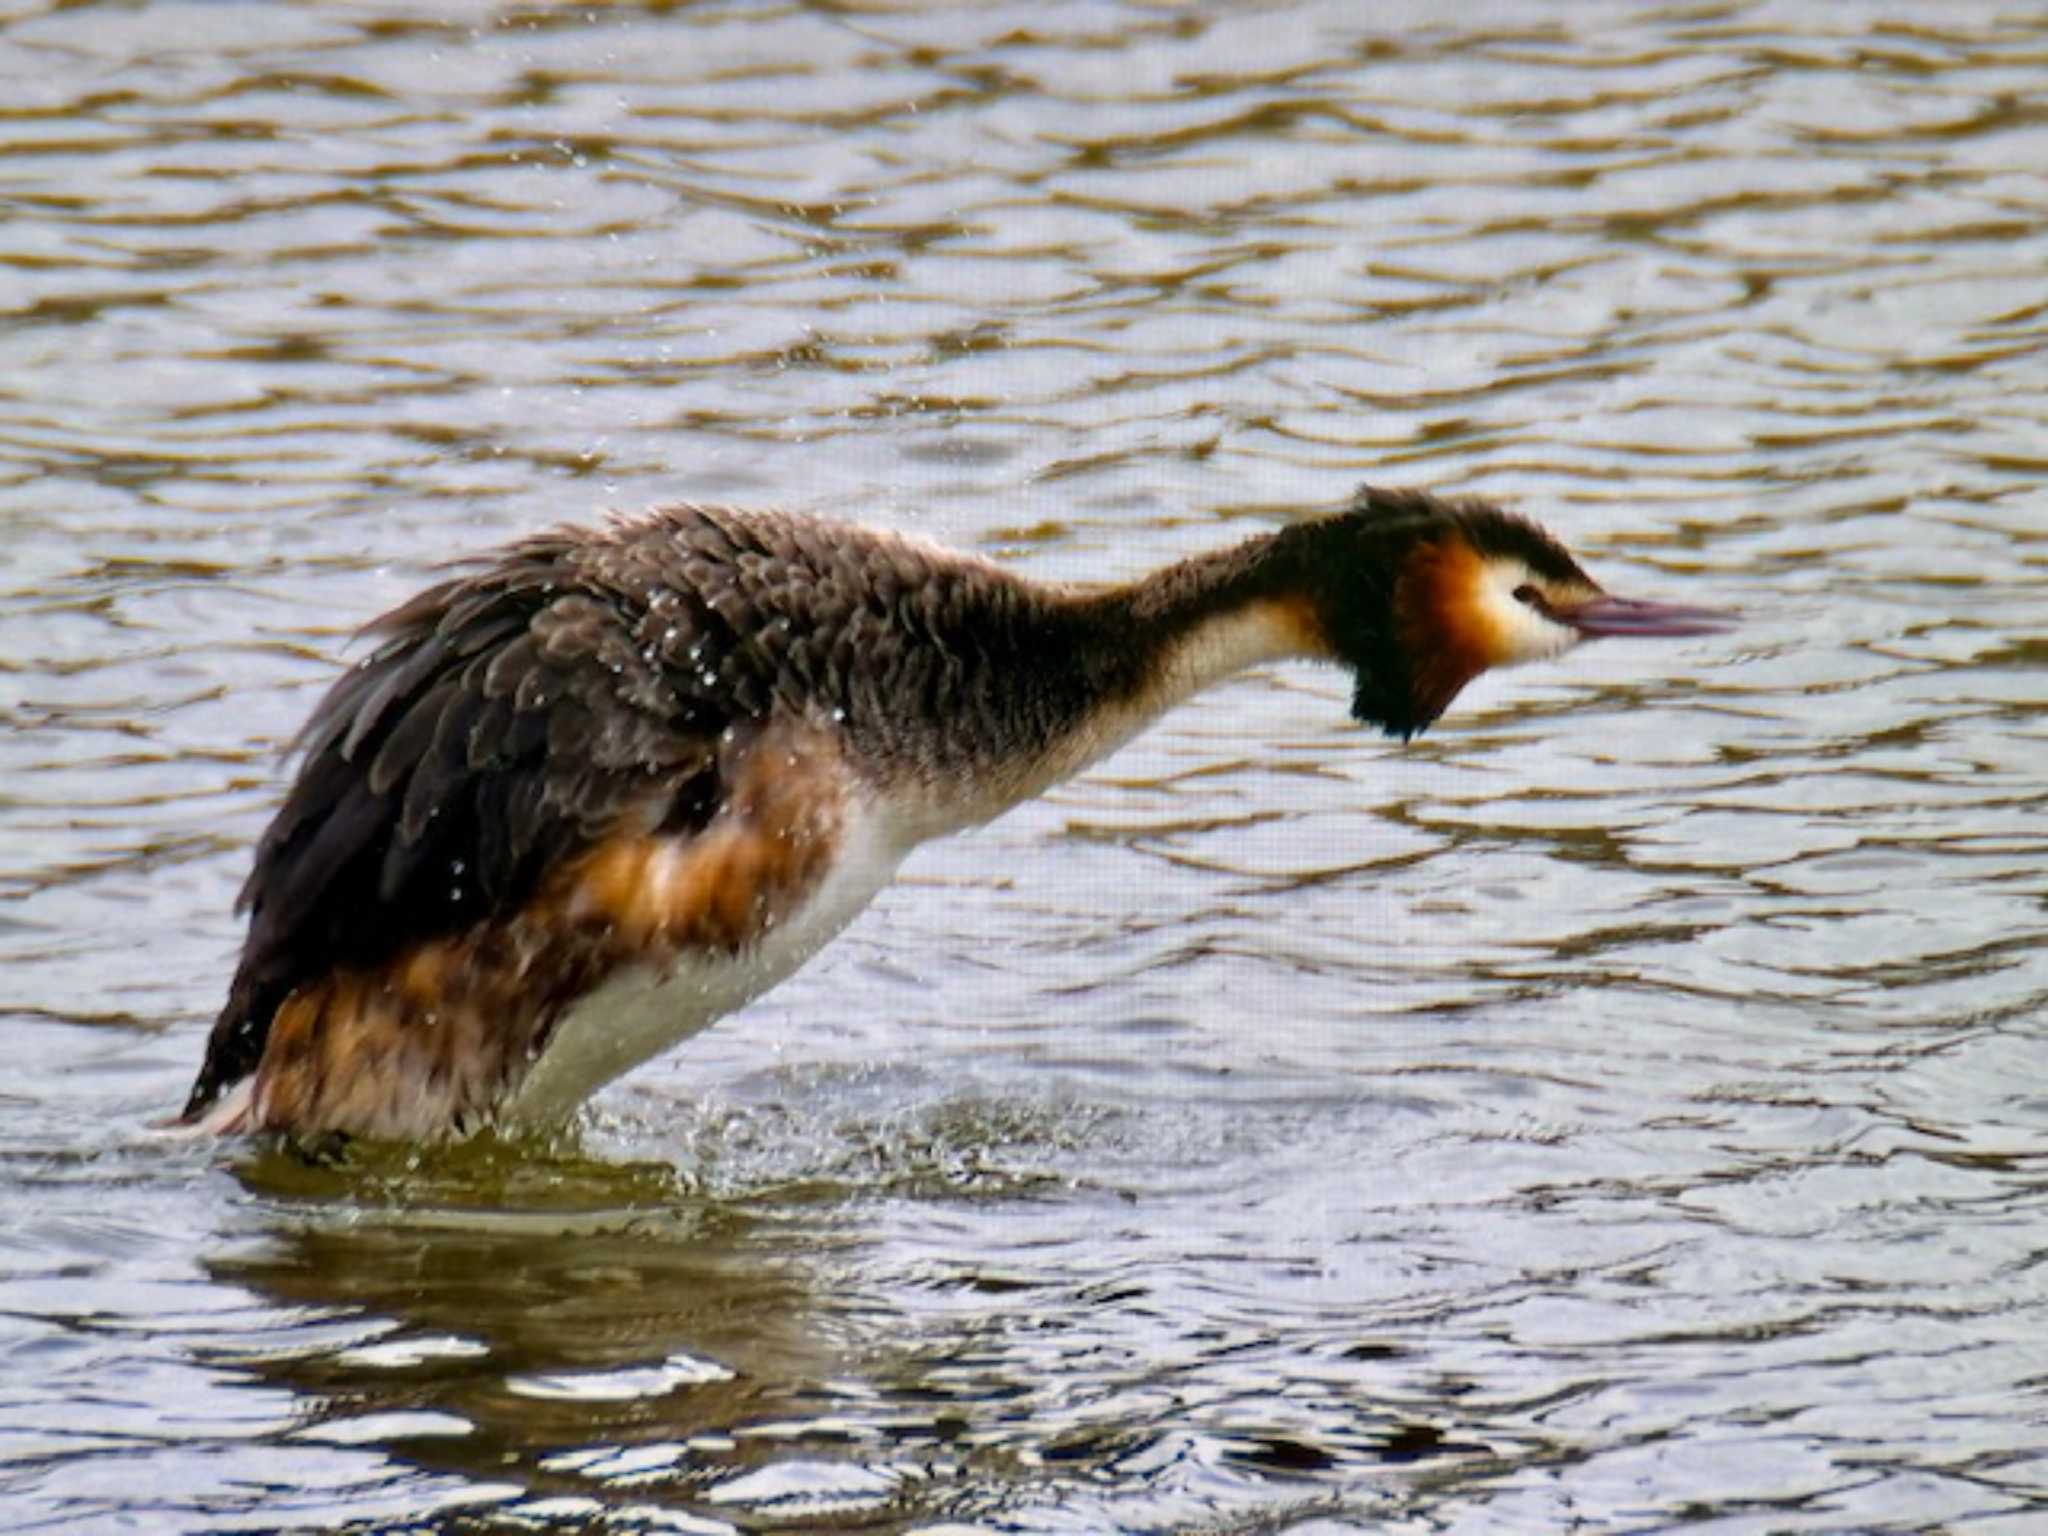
(586, 687)
(510, 718)
(435, 1038)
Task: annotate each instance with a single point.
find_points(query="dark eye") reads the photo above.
(1526, 593)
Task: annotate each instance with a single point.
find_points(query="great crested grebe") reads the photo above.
(617, 781)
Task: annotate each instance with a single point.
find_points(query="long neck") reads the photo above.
(1198, 621)
(1038, 681)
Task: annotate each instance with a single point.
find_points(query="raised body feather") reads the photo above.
(587, 685)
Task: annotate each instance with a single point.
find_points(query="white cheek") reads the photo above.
(1523, 633)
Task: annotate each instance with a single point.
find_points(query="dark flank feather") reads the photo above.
(433, 787)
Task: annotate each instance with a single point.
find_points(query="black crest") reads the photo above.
(1361, 567)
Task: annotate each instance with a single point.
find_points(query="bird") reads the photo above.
(595, 790)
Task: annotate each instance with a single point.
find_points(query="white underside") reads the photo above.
(641, 1012)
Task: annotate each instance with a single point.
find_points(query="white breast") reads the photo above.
(641, 1011)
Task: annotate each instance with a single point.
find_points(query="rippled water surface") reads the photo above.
(1622, 1108)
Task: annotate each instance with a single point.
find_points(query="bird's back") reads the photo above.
(586, 688)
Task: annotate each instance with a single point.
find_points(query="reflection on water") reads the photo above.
(479, 1339)
(1617, 1109)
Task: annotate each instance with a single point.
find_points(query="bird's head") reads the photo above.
(1418, 595)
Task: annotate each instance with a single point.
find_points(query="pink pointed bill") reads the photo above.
(1605, 615)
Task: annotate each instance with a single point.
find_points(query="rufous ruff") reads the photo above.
(614, 782)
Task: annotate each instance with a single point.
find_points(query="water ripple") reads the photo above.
(1615, 1109)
